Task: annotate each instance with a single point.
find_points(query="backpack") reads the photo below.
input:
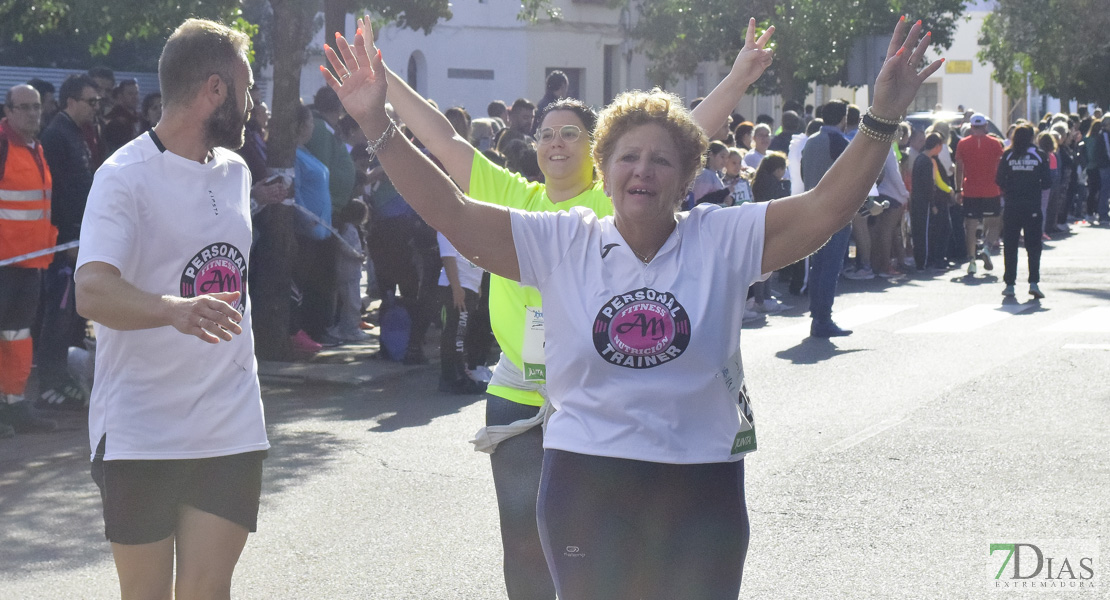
(396, 327)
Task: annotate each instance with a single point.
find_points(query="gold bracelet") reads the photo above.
(894, 123)
(875, 135)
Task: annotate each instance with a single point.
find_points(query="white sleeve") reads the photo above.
(445, 246)
(737, 233)
(108, 229)
(543, 239)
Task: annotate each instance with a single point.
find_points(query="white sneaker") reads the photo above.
(751, 315)
(972, 267)
(772, 305)
(861, 274)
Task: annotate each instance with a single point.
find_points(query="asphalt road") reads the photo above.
(888, 461)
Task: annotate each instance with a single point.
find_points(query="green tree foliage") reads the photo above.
(812, 37)
(1061, 46)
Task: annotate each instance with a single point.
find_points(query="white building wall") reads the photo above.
(485, 35)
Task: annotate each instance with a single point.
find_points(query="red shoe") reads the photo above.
(304, 344)
(366, 326)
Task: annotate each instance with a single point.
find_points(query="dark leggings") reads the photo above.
(516, 479)
(626, 529)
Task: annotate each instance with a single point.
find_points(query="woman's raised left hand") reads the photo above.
(754, 57)
(359, 78)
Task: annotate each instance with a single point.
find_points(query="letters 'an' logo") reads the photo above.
(218, 267)
(641, 329)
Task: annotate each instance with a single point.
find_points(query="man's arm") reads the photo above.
(750, 63)
(105, 297)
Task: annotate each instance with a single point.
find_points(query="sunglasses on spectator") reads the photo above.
(569, 133)
(93, 102)
(27, 107)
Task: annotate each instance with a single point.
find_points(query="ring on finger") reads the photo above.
(344, 76)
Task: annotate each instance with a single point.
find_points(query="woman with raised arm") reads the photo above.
(513, 396)
(642, 487)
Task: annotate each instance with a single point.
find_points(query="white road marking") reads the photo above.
(868, 433)
(1092, 320)
(847, 318)
(969, 319)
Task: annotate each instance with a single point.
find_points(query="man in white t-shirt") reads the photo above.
(175, 419)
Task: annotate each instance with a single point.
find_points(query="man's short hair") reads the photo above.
(496, 108)
(933, 140)
(834, 112)
(764, 118)
(101, 72)
(116, 91)
(194, 52)
(555, 80)
(326, 101)
(523, 104)
(853, 115)
(791, 122)
(73, 87)
(42, 86)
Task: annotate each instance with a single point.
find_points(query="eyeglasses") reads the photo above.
(569, 133)
(28, 107)
(93, 102)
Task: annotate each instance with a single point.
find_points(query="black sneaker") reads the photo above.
(68, 397)
(21, 419)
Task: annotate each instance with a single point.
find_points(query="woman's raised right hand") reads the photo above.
(359, 78)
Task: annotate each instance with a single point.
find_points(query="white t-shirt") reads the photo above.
(753, 158)
(470, 274)
(636, 354)
(173, 226)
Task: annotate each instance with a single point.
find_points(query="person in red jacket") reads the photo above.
(25, 227)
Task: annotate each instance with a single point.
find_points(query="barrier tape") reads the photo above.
(76, 243)
(38, 253)
(311, 215)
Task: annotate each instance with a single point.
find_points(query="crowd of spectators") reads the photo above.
(940, 203)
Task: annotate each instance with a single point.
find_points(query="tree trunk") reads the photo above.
(276, 249)
(335, 18)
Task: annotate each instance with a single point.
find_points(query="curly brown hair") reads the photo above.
(635, 108)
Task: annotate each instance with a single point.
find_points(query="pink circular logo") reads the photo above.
(641, 329)
(219, 267)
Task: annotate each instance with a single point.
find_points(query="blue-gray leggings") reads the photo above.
(625, 529)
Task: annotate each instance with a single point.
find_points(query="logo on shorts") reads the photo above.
(219, 267)
(641, 329)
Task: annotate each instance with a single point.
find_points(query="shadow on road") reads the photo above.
(811, 351)
(397, 404)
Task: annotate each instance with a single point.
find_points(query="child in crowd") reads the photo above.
(766, 186)
(460, 281)
(350, 222)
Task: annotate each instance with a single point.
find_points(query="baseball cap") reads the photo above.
(978, 120)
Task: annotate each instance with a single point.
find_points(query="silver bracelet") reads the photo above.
(372, 148)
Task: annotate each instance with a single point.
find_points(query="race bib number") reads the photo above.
(732, 375)
(532, 350)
